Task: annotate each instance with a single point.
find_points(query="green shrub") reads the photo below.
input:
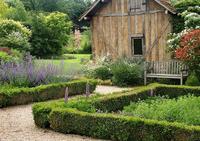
(14, 35)
(18, 96)
(50, 34)
(192, 80)
(125, 73)
(102, 72)
(184, 109)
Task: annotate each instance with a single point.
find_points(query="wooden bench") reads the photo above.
(170, 70)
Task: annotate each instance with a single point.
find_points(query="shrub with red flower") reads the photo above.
(189, 48)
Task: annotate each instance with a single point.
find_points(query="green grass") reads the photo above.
(70, 65)
(185, 109)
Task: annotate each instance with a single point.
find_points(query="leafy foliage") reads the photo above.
(14, 35)
(4, 9)
(193, 80)
(85, 45)
(126, 73)
(14, 56)
(102, 72)
(184, 109)
(73, 8)
(50, 34)
(17, 11)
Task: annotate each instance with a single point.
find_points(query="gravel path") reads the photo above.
(16, 124)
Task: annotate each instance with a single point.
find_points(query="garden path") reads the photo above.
(16, 124)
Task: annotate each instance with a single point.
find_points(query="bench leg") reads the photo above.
(181, 78)
(145, 81)
(145, 78)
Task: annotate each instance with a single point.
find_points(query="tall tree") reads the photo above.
(17, 11)
(73, 8)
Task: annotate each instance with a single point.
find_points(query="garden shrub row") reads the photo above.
(120, 128)
(114, 126)
(19, 96)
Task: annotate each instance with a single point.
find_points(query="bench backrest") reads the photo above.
(168, 67)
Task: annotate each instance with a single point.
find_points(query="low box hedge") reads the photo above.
(120, 128)
(19, 96)
(62, 118)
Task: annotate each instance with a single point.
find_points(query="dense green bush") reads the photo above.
(184, 109)
(18, 96)
(14, 35)
(102, 72)
(73, 118)
(126, 73)
(193, 80)
(50, 34)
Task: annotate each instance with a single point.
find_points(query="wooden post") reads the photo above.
(87, 91)
(145, 73)
(66, 94)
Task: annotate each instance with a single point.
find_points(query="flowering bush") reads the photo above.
(189, 45)
(14, 35)
(26, 73)
(185, 45)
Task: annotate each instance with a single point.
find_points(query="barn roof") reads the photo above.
(99, 3)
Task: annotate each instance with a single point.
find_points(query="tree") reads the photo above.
(17, 11)
(73, 8)
(50, 34)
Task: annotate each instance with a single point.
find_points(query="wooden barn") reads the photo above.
(130, 28)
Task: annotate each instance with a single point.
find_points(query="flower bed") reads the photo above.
(78, 116)
(18, 96)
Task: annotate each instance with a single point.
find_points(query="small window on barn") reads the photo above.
(137, 5)
(137, 46)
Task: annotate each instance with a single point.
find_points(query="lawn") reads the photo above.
(73, 63)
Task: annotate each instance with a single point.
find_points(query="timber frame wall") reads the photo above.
(114, 24)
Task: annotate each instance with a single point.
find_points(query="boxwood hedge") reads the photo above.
(18, 96)
(107, 125)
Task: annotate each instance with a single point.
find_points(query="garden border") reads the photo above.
(119, 127)
(20, 96)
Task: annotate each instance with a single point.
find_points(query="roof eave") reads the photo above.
(84, 15)
(172, 11)
(90, 9)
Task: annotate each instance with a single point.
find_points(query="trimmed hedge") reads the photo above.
(120, 128)
(19, 96)
(114, 126)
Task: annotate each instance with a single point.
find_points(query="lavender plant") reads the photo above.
(26, 73)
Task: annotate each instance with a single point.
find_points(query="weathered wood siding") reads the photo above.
(113, 25)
